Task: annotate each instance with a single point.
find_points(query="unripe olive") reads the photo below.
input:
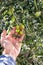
(37, 14)
(21, 32)
(21, 26)
(17, 30)
(17, 27)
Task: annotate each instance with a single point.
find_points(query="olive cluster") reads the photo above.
(19, 29)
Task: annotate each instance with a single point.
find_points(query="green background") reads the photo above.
(30, 14)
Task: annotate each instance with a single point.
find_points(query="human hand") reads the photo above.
(11, 44)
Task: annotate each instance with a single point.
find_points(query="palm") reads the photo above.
(13, 45)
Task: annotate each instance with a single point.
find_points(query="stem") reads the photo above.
(35, 3)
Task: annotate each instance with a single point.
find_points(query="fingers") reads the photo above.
(17, 42)
(9, 37)
(12, 31)
(22, 37)
(3, 35)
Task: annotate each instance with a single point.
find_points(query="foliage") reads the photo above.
(30, 14)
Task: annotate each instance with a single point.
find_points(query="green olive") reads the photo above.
(17, 30)
(21, 26)
(17, 27)
(37, 14)
(21, 32)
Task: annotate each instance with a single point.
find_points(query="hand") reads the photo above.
(11, 44)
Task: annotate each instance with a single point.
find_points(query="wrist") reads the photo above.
(12, 54)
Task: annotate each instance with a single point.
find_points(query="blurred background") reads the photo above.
(30, 14)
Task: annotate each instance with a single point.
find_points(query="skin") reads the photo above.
(11, 44)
